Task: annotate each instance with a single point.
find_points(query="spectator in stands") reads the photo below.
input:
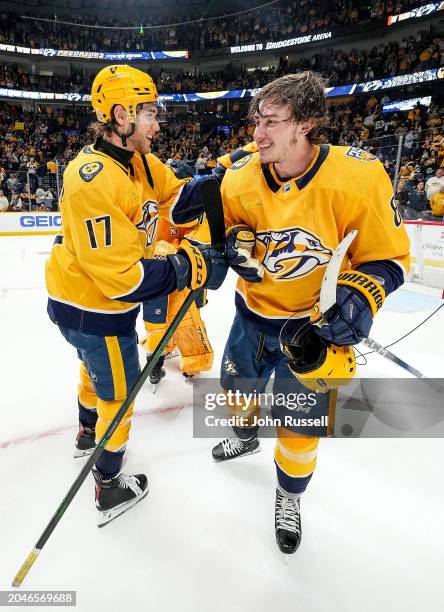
(389, 168)
(4, 204)
(435, 183)
(407, 170)
(12, 183)
(417, 201)
(16, 202)
(201, 163)
(402, 199)
(32, 166)
(408, 143)
(40, 198)
(49, 200)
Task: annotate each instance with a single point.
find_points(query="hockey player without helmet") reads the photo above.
(319, 366)
(124, 85)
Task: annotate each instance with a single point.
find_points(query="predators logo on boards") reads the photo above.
(89, 171)
(292, 253)
(360, 154)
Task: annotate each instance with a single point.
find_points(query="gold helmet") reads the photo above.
(124, 85)
(318, 365)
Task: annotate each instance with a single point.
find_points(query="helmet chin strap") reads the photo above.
(123, 137)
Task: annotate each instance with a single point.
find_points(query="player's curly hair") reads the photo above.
(305, 94)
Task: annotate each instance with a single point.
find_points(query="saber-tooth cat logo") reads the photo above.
(292, 252)
(149, 221)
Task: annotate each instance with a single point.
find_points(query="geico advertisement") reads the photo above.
(12, 224)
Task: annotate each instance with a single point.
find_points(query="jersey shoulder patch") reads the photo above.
(89, 171)
(240, 163)
(360, 154)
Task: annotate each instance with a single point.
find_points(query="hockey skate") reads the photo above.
(187, 377)
(85, 441)
(233, 447)
(287, 522)
(117, 495)
(157, 373)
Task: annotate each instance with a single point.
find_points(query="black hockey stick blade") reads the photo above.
(214, 210)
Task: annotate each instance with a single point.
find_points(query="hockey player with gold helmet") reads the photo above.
(98, 271)
(133, 91)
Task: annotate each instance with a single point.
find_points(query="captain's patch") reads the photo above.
(89, 171)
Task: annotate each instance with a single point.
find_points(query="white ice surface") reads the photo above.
(203, 539)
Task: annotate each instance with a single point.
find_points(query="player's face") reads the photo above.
(147, 126)
(276, 133)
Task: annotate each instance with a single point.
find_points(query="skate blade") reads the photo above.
(154, 387)
(286, 557)
(109, 515)
(83, 453)
(252, 452)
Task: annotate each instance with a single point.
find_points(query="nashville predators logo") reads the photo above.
(149, 221)
(89, 171)
(292, 253)
(230, 367)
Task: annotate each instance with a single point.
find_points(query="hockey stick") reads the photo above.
(212, 202)
(327, 305)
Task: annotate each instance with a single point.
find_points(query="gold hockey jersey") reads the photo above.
(96, 274)
(299, 222)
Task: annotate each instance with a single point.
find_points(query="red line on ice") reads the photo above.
(60, 430)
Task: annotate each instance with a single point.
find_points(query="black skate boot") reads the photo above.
(287, 522)
(117, 495)
(157, 373)
(85, 441)
(233, 447)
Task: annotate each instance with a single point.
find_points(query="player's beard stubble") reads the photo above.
(140, 142)
(278, 154)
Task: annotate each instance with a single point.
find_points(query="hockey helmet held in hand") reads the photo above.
(124, 85)
(318, 365)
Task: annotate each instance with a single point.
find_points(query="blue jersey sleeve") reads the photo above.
(189, 205)
(391, 273)
(158, 278)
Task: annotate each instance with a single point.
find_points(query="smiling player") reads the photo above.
(287, 207)
(97, 273)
